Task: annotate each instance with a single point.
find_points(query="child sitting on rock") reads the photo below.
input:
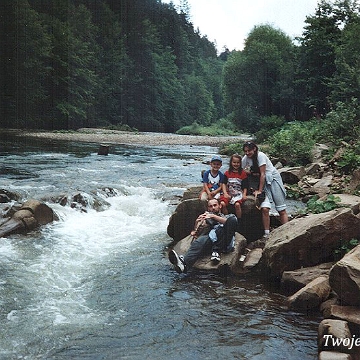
(213, 180)
(235, 186)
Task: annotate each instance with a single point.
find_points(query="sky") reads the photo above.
(229, 22)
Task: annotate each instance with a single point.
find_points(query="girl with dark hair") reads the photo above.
(235, 186)
(257, 164)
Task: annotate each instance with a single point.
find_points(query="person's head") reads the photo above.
(250, 149)
(213, 206)
(235, 163)
(216, 163)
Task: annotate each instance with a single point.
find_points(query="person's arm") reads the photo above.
(219, 189)
(262, 169)
(199, 225)
(205, 181)
(219, 219)
(207, 190)
(245, 186)
(225, 188)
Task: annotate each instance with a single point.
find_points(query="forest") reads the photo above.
(67, 64)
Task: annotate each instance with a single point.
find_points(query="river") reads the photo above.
(98, 284)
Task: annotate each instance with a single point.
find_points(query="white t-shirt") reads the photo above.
(262, 160)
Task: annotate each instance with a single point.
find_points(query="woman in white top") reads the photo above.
(256, 163)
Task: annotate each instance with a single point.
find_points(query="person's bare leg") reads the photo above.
(283, 216)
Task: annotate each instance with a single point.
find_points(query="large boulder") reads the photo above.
(309, 241)
(292, 281)
(183, 219)
(330, 330)
(32, 214)
(322, 187)
(349, 201)
(311, 295)
(229, 260)
(354, 183)
(344, 278)
(292, 175)
(351, 314)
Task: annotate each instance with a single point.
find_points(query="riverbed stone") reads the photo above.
(192, 192)
(292, 175)
(350, 314)
(182, 221)
(308, 241)
(229, 260)
(42, 213)
(333, 329)
(294, 280)
(354, 183)
(349, 201)
(325, 307)
(311, 295)
(252, 258)
(344, 277)
(322, 187)
(31, 214)
(334, 355)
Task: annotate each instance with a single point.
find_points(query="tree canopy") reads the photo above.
(67, 64)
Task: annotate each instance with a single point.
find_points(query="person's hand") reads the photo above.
(256, 193)
(227, 196)
(244, 198)
(201, 217)
(209, 215)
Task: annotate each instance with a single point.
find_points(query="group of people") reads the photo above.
(214, 230)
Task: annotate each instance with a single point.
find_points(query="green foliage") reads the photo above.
(294, 192)
(349, 160)
(222, 127)
(121, 127)
(317, 206)
(258, 81)
(269, 126)
(345, 247)
(142, 63)
(293, 143)
(342, 123)
(91, 63)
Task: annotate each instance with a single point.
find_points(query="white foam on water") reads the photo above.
(60, 280)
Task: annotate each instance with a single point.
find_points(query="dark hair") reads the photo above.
(252, 146)
(231, 169)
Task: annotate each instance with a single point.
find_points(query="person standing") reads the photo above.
(215, 238)
(256, 163)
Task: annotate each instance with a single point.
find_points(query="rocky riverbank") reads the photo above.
(132, 138)
(308, 257)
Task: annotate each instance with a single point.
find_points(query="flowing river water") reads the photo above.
(98, 284)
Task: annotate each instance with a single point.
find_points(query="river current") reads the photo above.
(98, 284)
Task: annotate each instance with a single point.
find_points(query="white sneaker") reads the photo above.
(177, 261)
(215, 257)
(243, 256)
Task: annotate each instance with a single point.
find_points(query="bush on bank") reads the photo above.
(294, 141)
(222, 127)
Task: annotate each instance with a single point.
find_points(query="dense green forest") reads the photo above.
(67, 64)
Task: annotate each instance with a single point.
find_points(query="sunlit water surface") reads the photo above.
(98, 285)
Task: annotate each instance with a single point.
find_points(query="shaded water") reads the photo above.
(98, 285)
